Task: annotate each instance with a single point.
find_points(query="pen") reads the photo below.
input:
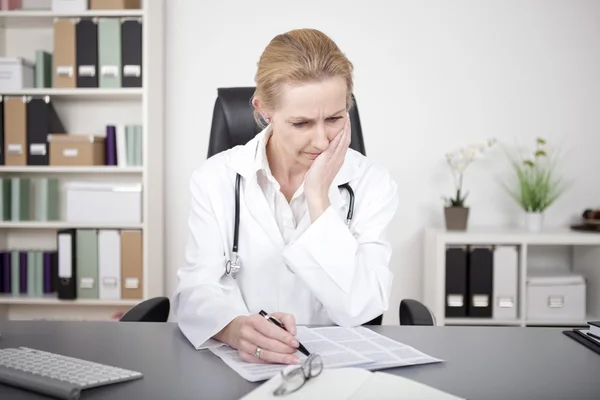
(279, 324)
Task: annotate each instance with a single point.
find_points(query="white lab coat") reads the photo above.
(331, 274)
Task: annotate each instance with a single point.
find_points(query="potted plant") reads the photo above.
(536, 185)
(456, 213)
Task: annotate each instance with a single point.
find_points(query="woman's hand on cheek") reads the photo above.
(325, 167)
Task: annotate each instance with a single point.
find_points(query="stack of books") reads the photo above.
(31, 273)
(589, 337)
(29, 199)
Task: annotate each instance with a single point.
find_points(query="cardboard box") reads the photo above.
(73, 149)
(16, 74)
(115, 4)
(556, 296)
(104, 202)
(69, 6)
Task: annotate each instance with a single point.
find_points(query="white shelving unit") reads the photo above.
(580, 250)
(89, 110)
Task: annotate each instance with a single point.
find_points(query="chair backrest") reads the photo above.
(155, 309)
(233, 121)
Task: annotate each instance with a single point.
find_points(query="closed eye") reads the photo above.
(303, 123)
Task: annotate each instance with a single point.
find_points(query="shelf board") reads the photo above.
(80, 93)
(70, 170)
(66, 225)
(45, 18)
(482, 321)
(52, 301)
(563, 323)
(508, 236)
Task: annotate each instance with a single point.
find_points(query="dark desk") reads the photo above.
(481, 362)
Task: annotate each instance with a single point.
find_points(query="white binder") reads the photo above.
(109, 264)
(506, 278)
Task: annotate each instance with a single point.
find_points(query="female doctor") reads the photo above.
(299, 258)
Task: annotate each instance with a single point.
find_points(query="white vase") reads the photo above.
(534, 221)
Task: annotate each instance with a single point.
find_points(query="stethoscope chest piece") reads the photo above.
(232, 267)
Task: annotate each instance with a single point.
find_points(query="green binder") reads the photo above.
(109, 52)
(15, 275)
(32, 277)
(87, 263)
(46, 202)
(20, 191)
(43, 69)
(130, 144)
(39, 273)
(139, 145)
(5, 199)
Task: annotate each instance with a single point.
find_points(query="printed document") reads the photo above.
(338, 347)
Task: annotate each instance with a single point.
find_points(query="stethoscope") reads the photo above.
(232, 267)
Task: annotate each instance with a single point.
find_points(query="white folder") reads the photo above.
(109, 264)
(506, 278)
(65, 256)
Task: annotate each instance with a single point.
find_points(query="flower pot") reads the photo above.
(456, 218)
(534, 221)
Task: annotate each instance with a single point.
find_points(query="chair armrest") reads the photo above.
(413, 312)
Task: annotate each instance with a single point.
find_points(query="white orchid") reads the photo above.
(459, 160)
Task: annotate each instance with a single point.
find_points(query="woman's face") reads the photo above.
(307, 118)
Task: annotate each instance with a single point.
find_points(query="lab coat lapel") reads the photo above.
(258, 207)
(246, 163)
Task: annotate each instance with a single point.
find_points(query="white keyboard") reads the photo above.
(56, 375)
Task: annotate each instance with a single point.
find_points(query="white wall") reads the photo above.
(430, 76)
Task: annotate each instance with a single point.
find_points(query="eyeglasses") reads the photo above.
(295, 377)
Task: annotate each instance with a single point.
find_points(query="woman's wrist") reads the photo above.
(317, 205)
(224, 335)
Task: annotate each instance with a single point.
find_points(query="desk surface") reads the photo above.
(481, 362)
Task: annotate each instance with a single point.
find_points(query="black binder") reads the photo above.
(42, 120)
(67, 284)
(481, 282)
(583, 339)
(456, 282)
(1, 130)
(131, 52)
(86, 52)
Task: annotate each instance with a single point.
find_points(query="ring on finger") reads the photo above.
(257, 352)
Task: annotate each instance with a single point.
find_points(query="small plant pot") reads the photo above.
(456, 218)
(534, 222)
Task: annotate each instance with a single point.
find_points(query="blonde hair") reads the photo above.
(299, 56)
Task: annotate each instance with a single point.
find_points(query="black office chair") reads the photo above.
(233, 121)
(152, 310)
(233, 124)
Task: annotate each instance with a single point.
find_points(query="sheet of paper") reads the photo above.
(338, 347)
(332, 354)
(381, 350)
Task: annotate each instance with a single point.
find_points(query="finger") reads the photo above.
(258, 339)
(266, 355)
(342, 146)
(273, 331)
(334, 144)
(348, 129)
(288, 321)
(250, 358)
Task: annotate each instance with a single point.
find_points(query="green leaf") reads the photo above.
(535, 187)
